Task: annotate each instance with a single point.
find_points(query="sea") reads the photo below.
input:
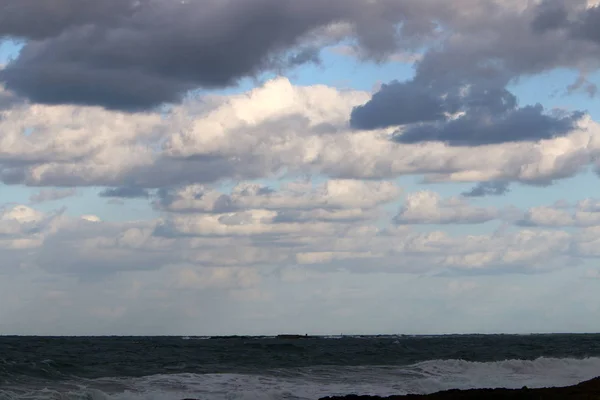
(287, 367)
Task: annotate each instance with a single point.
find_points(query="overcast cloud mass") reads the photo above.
(266, 166)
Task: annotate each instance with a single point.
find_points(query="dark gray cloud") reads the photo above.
(470, 71)
(488, 189)
(39, 19)
(490, 114)
(398, 103)
(529, 123)
(587, 26)
(582, 84)
(550, 15)
(133, 56)
(114, 89)
(579, 22)
(507, 43)
(128, 192)
(403, 103)
(304, 56)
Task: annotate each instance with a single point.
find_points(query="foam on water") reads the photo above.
(312, 383)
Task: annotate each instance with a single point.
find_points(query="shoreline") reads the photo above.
(587, 390)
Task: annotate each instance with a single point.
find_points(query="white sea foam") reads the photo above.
(315, 382)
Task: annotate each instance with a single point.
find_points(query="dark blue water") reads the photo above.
(279, 368)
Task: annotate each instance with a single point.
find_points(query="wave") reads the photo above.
(314, 382)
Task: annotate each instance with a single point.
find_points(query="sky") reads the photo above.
(215, 167)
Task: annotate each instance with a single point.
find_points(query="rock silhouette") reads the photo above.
(588, 390)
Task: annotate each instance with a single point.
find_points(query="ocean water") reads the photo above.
(261, 368)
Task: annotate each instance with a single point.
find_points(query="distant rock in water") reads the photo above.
(229, 337)
(294, 337)
(588, 390)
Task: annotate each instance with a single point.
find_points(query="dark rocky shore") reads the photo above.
(587, 390)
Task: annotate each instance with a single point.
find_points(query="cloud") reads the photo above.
(45, 195)
(112, 55)
(586, 25)
(547, 216)
(277, 128)
(119, 269)
(398, 104)
(495, 50)
(522, 124)
(23, 228)
(427, 207)
(550, 15)
(586, 214)
(459, 93)
(471, 115)
(283, 200)
(40, 19)
(125, 192)
(296, 196)
(204, 247)
(488, 189)
(589, 205)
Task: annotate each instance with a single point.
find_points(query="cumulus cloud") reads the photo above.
(120, 269)
(427, 207)
(343, 195)
(233, 250)
(586, 214)
(277, 128)
(370, 155)
(23, 228)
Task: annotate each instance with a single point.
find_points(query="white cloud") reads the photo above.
(426, 207)
(90, 218)
(276, 128)
(332, 195)
(229, 264)
(21, 214)
(586, 214)
(255, 238)
(22, 227)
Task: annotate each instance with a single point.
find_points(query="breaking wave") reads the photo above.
(310, 383)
